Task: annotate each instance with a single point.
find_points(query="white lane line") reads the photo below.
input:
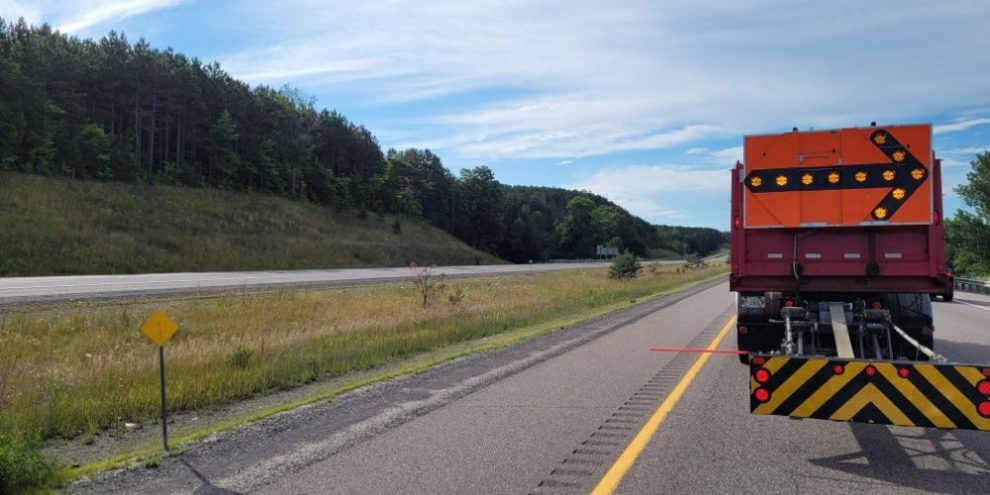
(973, 305)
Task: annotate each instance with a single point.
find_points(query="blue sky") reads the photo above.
(644, 102)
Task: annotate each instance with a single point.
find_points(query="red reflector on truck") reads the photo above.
(983, 387)
(838, 369)
(757, 360)
(743, 330)
(762, 376)
(984, 409)
(870, 371)
(903, 372)
(763, 395)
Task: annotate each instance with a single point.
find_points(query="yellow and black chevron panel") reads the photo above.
(882, 392)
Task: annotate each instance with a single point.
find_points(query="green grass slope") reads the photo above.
(54, 226)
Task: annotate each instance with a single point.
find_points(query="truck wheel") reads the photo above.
(949, 293)
(743, 345)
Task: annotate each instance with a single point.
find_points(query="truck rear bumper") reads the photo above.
(951, 396)
(848, 284)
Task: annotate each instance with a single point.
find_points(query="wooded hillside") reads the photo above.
(112, 110)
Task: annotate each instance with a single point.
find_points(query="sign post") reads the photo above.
(159, 328)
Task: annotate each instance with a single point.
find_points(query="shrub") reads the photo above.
(695, 262)
(625, 265)
(23, 466)
(426, 283)
(456, 297)
(240, 357)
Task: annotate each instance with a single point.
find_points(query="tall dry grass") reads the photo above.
(77, 369)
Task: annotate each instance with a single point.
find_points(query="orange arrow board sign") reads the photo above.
(159, 328)
(839, 178)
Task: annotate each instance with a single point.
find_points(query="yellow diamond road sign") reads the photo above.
(159, 328)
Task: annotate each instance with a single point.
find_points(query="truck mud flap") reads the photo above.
(951, 396)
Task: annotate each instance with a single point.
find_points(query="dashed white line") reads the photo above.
(973, 305)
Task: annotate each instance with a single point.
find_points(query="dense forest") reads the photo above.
(112, 110)
(968, 232)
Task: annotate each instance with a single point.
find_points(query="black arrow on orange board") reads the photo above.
(903, 174)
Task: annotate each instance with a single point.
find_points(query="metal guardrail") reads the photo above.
(972, 285)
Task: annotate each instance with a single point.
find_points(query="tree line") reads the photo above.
(968, 232)
(113, 110)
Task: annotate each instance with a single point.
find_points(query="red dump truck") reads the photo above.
(837, 249)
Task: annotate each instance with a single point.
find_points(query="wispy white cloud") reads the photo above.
(652, 191)
(729, 155)
(724, 157)
(12, 10)
(73, 16)
(116, 10)
(589, 140)
(960, 157)
(631, 76)
(966, 151)
(565, 162)
(962, 125)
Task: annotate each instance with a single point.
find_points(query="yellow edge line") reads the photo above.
(611, 480)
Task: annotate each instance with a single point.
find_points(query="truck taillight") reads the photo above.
(983, 387)
(838, 369)
(757, 360)
(984, 409)
(762, 376)
(903, 372)
(763, 395)
(877, 305)
(870, 370)
(788, 304)
(737, 222)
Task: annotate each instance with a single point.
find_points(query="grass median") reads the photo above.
(75, 370)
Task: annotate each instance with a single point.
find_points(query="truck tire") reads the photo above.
(949, 293)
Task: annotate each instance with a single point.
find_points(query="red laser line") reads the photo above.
(712, 351)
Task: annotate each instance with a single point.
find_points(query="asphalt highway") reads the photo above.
(32, 289)
(560, 415)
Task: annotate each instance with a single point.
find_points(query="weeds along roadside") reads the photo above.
(72, 370)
